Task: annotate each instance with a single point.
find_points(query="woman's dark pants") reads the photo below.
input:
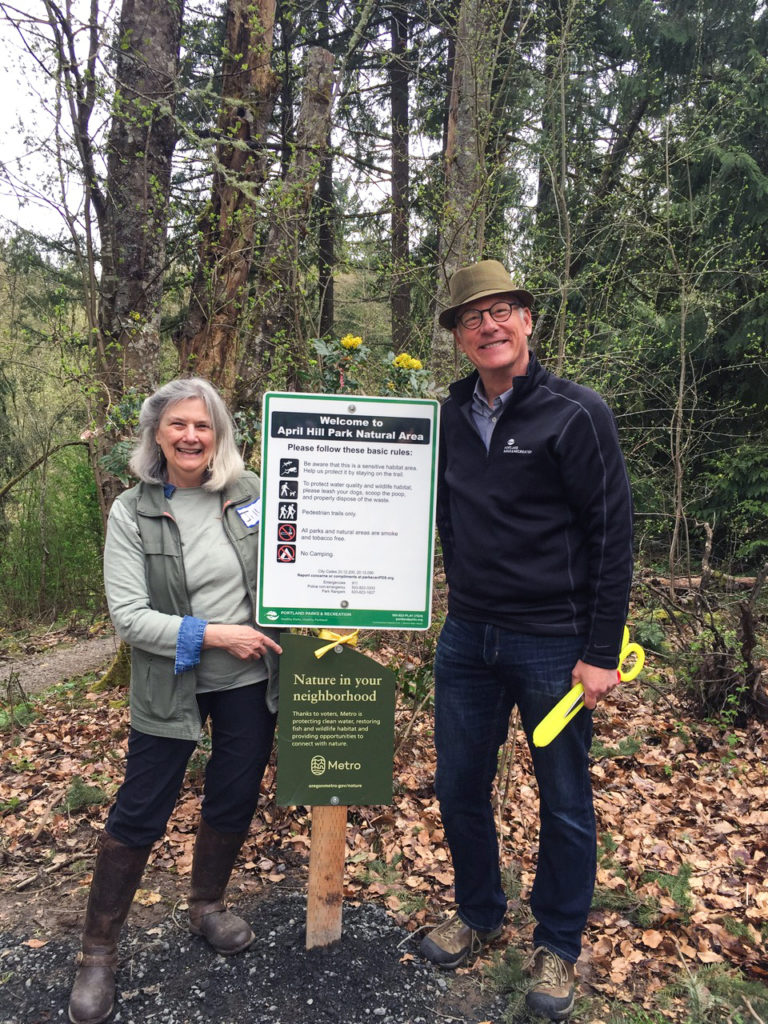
(242, 730)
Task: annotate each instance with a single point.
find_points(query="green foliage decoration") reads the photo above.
(406, 375)
(736, 494)
(50, 558)
(122, 422)
(115, 461)
(643, 910)
(713, 671)
(338, 363)
(81, 795)
(678, 886)
(717, 993)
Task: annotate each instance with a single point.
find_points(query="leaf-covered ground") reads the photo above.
(682, 820)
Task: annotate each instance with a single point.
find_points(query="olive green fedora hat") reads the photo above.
(488, 277)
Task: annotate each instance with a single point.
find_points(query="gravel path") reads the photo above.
(373, 975)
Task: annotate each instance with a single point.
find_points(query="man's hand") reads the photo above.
(596, 681)
(243, 641)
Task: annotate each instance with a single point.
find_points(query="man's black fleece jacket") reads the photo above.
(537, 531)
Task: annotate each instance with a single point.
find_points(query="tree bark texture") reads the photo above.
(400, 296)
(134, 216)
(209, 342)
(464, 201)
(276, 323)
(326, 214)
(326, 245)
(131, 208)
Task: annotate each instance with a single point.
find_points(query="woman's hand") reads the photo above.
(243, 641)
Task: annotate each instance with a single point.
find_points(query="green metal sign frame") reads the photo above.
(347, 511)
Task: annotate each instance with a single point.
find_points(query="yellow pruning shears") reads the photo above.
(573, 701)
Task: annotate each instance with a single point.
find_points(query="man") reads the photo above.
(535, 518)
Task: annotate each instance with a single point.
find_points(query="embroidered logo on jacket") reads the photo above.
(512, 448)
(251, 514)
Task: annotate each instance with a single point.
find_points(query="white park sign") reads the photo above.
(347, 514)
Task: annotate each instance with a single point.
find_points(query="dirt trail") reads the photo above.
(36, 672)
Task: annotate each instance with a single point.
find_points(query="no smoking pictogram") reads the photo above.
(286, 531)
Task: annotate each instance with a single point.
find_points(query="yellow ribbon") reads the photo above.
(336, 639)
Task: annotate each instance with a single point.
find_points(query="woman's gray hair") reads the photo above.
(148, 461)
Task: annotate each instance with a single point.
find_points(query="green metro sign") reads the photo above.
(336, 726)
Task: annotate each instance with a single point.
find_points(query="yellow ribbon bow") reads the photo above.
(336, 639)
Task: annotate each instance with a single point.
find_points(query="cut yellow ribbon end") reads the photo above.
(336, 639)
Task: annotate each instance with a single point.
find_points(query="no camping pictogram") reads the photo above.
(286, 553)
(286, 531)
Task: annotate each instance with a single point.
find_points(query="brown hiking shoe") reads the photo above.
(552, 984)
(453, 942)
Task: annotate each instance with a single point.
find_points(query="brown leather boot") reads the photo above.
(116, 877)
(215, 854)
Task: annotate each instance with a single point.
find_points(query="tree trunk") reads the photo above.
(400, 296)
(326, 212)
(276, 326)
(131, 207)
(288, 38)
(463, 214)
(326, 244)
(140, 147)
(210, 341)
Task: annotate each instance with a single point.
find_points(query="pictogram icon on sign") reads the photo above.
(286, 553)
(286, 531)
(287, 510)
(289, 489)
(289, 467)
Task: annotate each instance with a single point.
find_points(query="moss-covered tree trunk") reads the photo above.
(275, 340)
(209, 342)
(462, 221)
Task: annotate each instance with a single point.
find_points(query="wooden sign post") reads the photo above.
(326, 875)
(334, 748)
(325, 887)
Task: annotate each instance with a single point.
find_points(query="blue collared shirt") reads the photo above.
(485, 416)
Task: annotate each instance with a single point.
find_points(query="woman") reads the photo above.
(180, 570)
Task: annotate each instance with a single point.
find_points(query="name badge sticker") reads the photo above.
(251, 514)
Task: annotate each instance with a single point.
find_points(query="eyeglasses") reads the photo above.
(499, 311)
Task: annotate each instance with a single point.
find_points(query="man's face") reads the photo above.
(496, 348)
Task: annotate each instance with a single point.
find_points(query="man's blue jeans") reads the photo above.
(481, 672)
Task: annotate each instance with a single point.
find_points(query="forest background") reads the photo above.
(274, 195)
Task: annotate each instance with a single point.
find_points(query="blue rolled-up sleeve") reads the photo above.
(189, 643)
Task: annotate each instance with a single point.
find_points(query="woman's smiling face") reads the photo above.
(185, 435)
